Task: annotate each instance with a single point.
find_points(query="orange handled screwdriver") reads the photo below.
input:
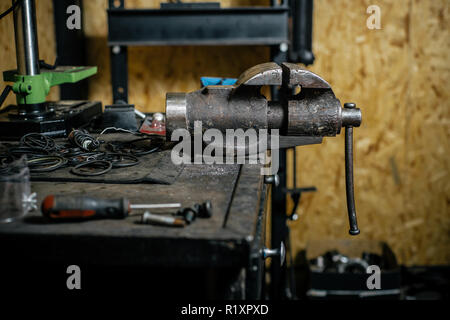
(82, 207)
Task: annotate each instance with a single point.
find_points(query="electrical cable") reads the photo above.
(18, 151)
(10, 9)
(45, 154)
(46, 164)
(82, 168)
(38, 141)
(4, 95)
(118, 129)
(83, 157)
(130, 147)
(44, 65)
(5, 160)
(112, 157)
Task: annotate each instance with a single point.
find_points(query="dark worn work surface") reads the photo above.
(206, 242)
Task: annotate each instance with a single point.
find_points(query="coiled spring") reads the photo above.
(83, 140)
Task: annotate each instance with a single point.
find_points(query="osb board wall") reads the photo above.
(398, 75)
(153, 71)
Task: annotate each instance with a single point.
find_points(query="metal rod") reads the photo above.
(349, 181)
(155, 206)
(294, 149)
(26, 40)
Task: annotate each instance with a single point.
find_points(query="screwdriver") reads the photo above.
(82, 207)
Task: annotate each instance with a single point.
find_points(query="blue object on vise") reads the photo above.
(214, 81)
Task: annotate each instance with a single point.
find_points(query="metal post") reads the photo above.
(119, 74)
(302, 24)
(119, 64)
(70, 49)
(26, 39)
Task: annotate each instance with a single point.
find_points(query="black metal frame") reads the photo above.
(191, 24)
(70, 49)
(198, 26)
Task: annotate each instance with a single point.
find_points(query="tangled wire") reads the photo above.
(86, 155)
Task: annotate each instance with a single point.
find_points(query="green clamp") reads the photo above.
(34, 89)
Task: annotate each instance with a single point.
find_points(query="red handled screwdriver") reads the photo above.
(82, 207)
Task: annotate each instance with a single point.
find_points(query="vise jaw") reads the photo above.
(301, 118)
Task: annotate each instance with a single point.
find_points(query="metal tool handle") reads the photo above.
(83, 207)
(349, 186)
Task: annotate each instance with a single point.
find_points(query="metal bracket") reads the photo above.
(269, 253)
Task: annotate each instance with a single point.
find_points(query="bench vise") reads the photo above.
(302, 118)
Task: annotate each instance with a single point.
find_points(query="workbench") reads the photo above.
(219, 257)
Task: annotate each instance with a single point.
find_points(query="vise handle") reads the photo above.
(349, 186)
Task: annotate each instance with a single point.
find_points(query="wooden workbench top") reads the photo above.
(235, 190)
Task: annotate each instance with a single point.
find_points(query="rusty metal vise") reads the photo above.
(301, 118)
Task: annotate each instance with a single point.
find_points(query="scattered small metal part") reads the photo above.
(150, 218)
(189, 214)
